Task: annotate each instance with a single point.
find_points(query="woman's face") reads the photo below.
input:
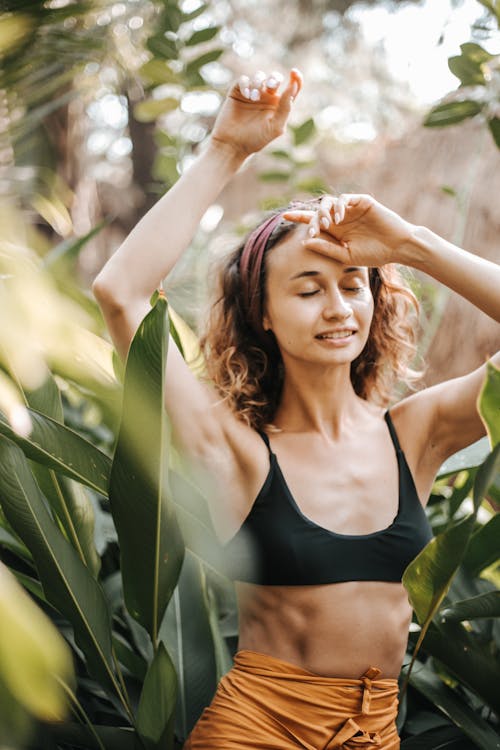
(319, 309)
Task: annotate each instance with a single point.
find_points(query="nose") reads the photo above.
(336, 306)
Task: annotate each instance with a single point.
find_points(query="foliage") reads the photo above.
(479, 75)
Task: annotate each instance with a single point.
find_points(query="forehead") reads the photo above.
(289, 257)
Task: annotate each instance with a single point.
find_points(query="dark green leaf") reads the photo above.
(160, 46)
(151, 544)
(484, 546)
(67, 583)
(475, 52)
(494, 126)
(484, 605)
(194, 65)
(453, 705)
(303, 132)
(187, 634)
(451, 113)
(467, 70)
(486, 475)
(155, 714)
(203, 35)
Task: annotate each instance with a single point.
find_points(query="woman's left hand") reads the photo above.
(365, 232)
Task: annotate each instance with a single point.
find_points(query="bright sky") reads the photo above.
(411, 36)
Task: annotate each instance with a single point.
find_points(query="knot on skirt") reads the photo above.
(350, 732)
(371, 674)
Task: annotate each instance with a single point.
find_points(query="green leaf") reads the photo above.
(274, 176)
(451, 113)
(67, 583)
(484, 605)
(186, 632)
(203, 35)
(158, 72)
(155, 714)
(62, 449)
(194, 13)
(484, 546)
(475, 52)
(303, 132)
(465, 658)
(194, 65)
(280, 153)
(150, 110)
(427, 578)
(486, 475)
(494, 126)
(467, 70)
(488, 403)
(453, 705)
(468, 458)
(151, 543)
(34, 657)
(160, 46)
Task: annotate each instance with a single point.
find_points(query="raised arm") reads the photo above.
(152, 248)
(203, 426)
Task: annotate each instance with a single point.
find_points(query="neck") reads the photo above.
(317, 399)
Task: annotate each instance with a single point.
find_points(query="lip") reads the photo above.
(335, 330)
(338, 341)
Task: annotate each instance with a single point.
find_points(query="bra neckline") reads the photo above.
(338, 535)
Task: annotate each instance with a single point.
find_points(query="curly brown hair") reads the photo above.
(244, 361)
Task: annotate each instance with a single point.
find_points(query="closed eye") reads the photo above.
(308, 294)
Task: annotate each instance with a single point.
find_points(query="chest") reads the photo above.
(344, 491)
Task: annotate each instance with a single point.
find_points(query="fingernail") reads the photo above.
(311, 232)
(337, 217)
(295, 90)
(272, 83)
(245, 91)
(255, 95)
(325, 222)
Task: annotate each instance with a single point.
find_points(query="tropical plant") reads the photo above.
(479, 73)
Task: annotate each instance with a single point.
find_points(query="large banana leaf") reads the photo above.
(489, 403)
(483, 605)
(60, 448)
(68, 499)
(67, 583)
(151, 544)
(187, 634)
(155, 715)
(465, 658)
(484, 546)
(446, 699)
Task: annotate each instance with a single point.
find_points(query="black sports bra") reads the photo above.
(278, 545)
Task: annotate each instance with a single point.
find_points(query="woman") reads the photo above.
(320, 491)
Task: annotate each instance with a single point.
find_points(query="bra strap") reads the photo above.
(394, 436)
(266, 440)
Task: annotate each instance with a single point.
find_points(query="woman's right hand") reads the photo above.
(254, 113)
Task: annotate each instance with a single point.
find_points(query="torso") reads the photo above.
(338, 629)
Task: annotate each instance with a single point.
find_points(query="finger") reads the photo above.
(314, 229)
(273, 81)
(244, 86)
(300, 215)
(330, 248)
(325, 208)
(287, 97)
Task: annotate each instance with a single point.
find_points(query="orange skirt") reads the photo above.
(266, 703)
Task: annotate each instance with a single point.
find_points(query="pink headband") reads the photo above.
(251, 264)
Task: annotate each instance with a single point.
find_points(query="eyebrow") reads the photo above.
(301, 274)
